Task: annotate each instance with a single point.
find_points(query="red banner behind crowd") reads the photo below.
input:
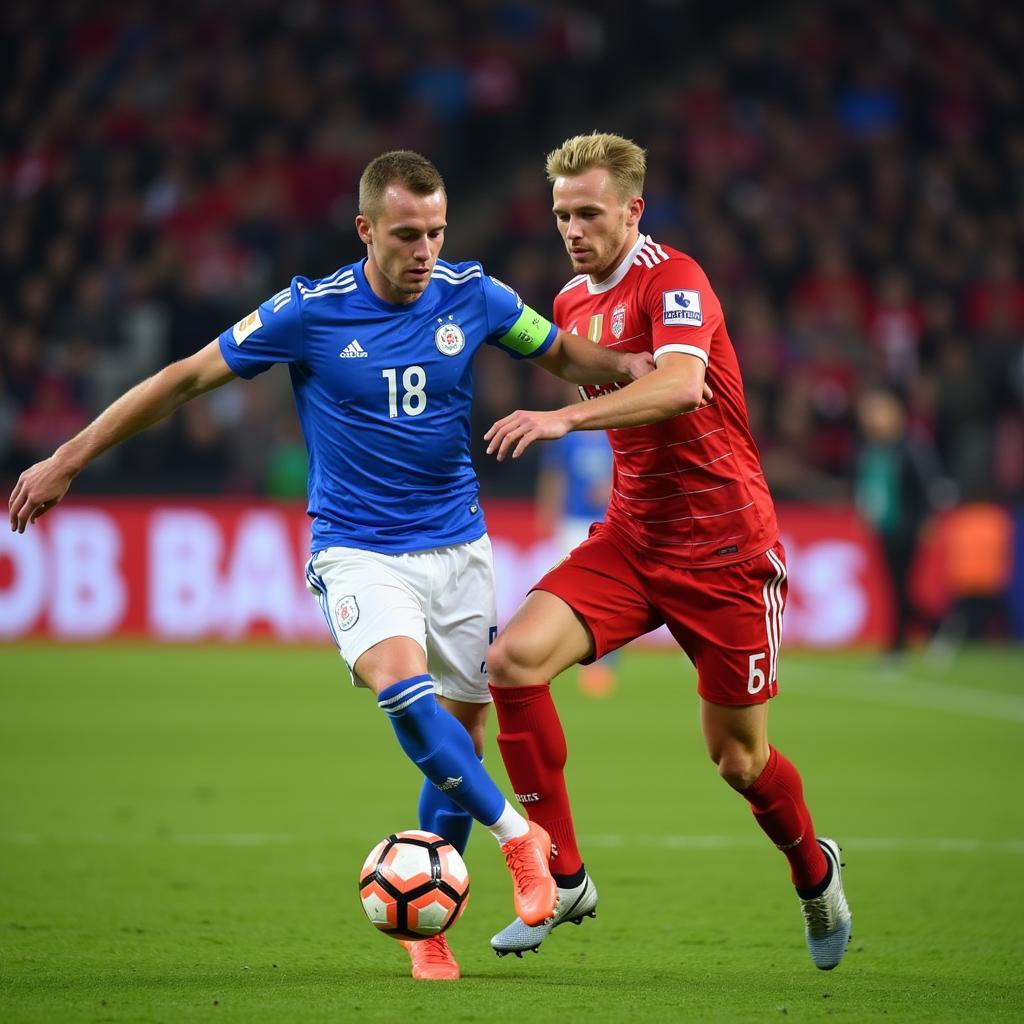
(226, 570)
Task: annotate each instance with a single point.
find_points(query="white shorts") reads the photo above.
(443, 599)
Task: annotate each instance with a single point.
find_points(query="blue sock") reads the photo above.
(440, 747)
(440, 814)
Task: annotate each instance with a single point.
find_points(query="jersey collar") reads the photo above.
(620, 271)
(375, 300)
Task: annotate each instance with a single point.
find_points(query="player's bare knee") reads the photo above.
(738, 768)
(508, 662)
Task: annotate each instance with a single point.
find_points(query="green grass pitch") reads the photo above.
(181, 830)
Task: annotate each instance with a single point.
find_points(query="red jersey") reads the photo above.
(689, 490)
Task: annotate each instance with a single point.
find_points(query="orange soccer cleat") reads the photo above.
(432, 959)
(534, 892)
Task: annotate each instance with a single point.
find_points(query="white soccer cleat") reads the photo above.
(572, 906)
(827, 917)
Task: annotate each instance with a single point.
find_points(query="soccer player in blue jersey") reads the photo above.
(380, 356)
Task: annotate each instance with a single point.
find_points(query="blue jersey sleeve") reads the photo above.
(271, 333)
(521, 331)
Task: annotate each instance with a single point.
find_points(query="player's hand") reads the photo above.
(517, 431)
(38, 489)
(707, 396)
(637, 364)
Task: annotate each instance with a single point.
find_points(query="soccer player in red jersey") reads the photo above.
(689, 540)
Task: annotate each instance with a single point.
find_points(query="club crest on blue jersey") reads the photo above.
(346, 612)
(449, 339)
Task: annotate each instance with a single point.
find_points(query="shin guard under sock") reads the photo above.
(440, 747)
(777, 800)
(532, 745)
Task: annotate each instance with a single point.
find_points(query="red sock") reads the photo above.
(532, 745)
(777, 800)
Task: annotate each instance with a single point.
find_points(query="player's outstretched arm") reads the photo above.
(43, 485)
(579, 361)
(676, 386)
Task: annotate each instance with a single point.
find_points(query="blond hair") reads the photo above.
(401, 166)
(624, 160)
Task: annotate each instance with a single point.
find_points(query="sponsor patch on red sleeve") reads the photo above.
(680, 307)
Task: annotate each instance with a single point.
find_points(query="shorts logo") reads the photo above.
(246, 326)
(346, 611)
(618, 320)
(681, 308)
(449, 339)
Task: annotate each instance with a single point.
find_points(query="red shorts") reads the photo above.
(728, 619)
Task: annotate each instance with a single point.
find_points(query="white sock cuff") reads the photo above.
(510, 825)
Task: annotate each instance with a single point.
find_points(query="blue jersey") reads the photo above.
(383, 394)
(585, 460)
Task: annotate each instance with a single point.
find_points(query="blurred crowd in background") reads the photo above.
(851, 177)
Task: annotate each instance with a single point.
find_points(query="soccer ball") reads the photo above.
(413, 885)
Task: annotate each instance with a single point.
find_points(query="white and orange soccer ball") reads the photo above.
(413, 885)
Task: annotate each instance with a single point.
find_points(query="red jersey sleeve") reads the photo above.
(684, 312)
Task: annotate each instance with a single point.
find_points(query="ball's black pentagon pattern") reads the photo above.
(402, 898)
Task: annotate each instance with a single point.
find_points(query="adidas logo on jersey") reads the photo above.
(353, 350)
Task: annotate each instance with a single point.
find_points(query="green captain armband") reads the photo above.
(529, 335)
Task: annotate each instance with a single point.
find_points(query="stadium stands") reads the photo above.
(851, 176)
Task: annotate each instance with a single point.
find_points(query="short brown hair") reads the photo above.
(409, 169)
(623, 158)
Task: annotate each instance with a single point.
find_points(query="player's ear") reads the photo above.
(364, 229)
(634, 210)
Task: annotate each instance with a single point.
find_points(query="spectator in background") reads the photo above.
(831, 162)
(53, 417)
(895, 328)
(895, 477)
(997, 301)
